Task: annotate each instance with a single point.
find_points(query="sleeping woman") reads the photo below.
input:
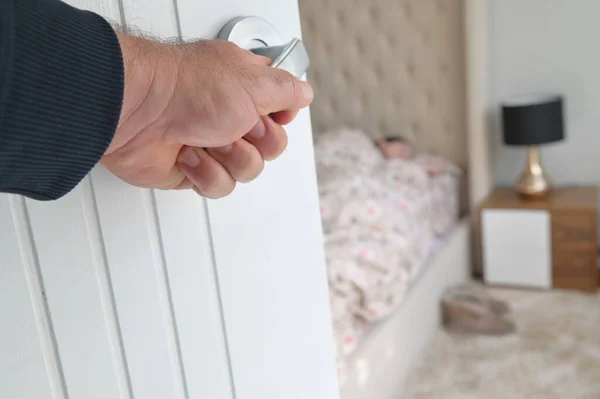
(395, 148)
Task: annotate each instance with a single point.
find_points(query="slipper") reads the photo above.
(468, 308)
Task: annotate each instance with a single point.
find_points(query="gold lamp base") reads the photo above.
(534, 182)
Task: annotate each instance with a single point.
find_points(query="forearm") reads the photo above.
(61, 91)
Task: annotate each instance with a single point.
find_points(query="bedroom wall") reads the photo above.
(549, 45)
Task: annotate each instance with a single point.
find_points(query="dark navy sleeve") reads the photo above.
(61, 91)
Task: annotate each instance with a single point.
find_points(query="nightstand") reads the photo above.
(544, 243)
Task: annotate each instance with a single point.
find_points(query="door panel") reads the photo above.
(186, 245)
(137, 264)
(269, 251)
(142, 298)
(25, 371)
(78, 293)
(272, 282)
(131, 287)
(196, 304)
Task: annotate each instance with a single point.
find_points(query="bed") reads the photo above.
(383, 219)
(392, 68)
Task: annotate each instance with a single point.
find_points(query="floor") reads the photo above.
(555, 353)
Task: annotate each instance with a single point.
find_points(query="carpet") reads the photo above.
(555, 353)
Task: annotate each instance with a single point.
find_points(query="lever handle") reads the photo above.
(291, 57)
(259, 36)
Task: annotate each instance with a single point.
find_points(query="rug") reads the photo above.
(555, 353)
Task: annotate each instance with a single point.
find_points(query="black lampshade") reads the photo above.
(533, 119)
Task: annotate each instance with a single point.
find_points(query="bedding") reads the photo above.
(381, 218)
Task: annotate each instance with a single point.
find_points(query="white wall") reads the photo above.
(549, 45)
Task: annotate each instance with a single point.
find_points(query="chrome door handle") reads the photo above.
(259, 36)
(291, 57)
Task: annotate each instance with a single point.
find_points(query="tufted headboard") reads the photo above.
(390, 68)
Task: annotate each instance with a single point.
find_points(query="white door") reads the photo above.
(120, 292)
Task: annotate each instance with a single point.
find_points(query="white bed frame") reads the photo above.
(378, 369)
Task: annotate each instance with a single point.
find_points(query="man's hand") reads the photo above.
(202, 115)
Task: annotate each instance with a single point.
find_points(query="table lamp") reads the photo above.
(533, 120)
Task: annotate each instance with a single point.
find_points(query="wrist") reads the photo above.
(149, 76)
(139, 66)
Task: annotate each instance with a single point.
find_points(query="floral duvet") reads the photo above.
(381, 220)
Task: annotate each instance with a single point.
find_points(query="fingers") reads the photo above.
(209, 177)
(277, 90)
(284, 117)
(269, 138)
(213, 173)
(241, 159)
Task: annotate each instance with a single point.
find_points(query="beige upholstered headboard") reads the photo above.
(390, 68)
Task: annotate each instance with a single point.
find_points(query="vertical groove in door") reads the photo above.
(35, 285)
(220, 299)
(177, 21)
(122, 20)
(194, 295)
(128, 241)
(164, 291)
(107, 298)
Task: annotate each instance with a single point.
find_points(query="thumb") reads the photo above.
(279, 90)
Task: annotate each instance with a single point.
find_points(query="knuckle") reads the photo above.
(251, 173)
(280, 78)
(278, 146)
(220, 187)
(271, 91)
(226, 189)
(285, 80)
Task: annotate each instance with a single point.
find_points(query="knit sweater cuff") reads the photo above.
(62, 101)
